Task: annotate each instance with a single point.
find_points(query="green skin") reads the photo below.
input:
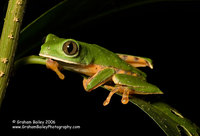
(88, 54)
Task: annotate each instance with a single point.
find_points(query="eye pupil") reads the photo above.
(70, 48)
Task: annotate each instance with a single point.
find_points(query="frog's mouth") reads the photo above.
(58, 59)
(56, 64)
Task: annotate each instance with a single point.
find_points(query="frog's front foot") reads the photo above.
(114, 90)
(53, 65)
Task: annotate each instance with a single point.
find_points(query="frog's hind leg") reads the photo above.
(121, 89)
(98, 79)
(113, 91)
(125, 96)
(136, 61)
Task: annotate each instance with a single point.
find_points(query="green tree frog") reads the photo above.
(100, 67)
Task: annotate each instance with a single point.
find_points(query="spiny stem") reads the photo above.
(8, 42)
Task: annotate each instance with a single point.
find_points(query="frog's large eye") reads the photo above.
(71, 48)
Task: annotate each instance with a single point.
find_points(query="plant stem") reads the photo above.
(29, 60)
(8, 42)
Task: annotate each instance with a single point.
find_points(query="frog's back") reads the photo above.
(102, 56)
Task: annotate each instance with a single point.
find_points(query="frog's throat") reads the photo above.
(58, 59)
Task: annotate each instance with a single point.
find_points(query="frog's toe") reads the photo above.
(125, 95)
(125, 100)
(107, 101)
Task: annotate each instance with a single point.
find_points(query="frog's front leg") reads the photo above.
(53, 65)
(98, 79)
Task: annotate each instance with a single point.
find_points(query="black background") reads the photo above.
(168, 33)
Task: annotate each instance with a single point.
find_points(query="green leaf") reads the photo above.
(168, 119)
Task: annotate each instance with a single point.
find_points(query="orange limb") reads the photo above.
(135, 61)
(86, 81)
(125, 95)
(98, 79)
(124, 90)
(107, 101)
(53, 65)
(90, 70)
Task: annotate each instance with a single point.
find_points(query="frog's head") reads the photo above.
(64, 50)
